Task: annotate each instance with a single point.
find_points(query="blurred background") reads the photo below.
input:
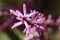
(7, 20)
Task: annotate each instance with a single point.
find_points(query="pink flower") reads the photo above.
(49, 19)
(22, 17)
(31, 21)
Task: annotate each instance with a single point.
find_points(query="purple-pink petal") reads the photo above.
(24, 9)
(42, 27)
(19, 13)
(14, 12)
(41, 20)
(16, 24)
(24, 31)
(32, 13)
(18, 18)
(26, 24)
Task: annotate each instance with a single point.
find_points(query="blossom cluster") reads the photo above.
(34, 22)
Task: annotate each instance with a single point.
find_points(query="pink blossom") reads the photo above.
(22, 17)
(49, 19)
(58, 21)
(32, 22)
